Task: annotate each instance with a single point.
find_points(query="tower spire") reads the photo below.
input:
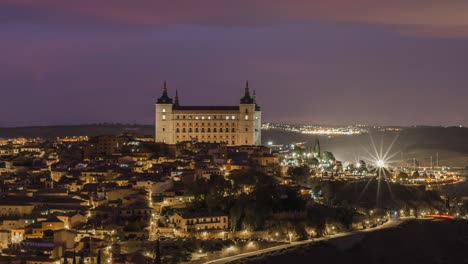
(164, 99)
(176, 100)
(247, 92)
(247, 99)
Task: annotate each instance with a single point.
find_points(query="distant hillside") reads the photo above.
(52, 132)
(390, 195)
(420, 143)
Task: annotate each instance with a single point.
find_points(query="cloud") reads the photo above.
(421, 17)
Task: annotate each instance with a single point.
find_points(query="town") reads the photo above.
(202, 196)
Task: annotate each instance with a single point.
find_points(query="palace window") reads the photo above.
(233, 130)
(246, 117)
(226, 130)
(164, 110)
(233, 117)
(246, 129)
(214, 129)
(164, 117)
(227, 117)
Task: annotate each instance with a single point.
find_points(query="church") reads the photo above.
(234, 125)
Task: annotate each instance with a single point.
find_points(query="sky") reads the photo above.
(332, 62)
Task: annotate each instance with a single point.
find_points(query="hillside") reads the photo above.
(412, 242)
(52, 132)
(451, 144)
(390, 195)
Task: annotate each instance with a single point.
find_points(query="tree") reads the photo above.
(157, 258)
(346, 215)
(274, 169)
(313, 162)
(217, 188)
(300, 175)
(74, 257)
(99, 257)
(402, 175)
(82, 257)
(328, 157)
(318, 191)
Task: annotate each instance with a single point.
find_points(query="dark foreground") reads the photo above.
(411, 242)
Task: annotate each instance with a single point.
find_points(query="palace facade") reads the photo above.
(233, 125)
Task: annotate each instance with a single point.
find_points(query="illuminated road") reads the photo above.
(389, 224)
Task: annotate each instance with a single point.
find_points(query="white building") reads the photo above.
(234, 125)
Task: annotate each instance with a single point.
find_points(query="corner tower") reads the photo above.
(249, 119)
(163, 119)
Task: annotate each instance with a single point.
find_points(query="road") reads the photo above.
(389, 224)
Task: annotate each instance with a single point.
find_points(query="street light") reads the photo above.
(381, 164)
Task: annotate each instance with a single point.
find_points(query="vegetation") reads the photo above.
(250, 197)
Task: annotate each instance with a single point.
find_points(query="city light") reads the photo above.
(380, 163)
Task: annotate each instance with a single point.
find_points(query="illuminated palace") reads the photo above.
(233, 125)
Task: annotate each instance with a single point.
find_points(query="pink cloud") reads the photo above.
(419, 16)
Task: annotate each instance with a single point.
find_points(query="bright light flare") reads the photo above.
(380, 163)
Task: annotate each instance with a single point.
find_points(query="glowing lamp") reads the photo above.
(380, 163)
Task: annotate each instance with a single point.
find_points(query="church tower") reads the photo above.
(317, 148)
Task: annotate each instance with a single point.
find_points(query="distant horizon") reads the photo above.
(282, 123)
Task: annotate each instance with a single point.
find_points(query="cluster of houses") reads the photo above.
(83, 198)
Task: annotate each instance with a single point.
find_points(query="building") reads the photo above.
(233, 125)
(200, 221)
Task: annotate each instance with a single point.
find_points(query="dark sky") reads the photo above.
(398, 62)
